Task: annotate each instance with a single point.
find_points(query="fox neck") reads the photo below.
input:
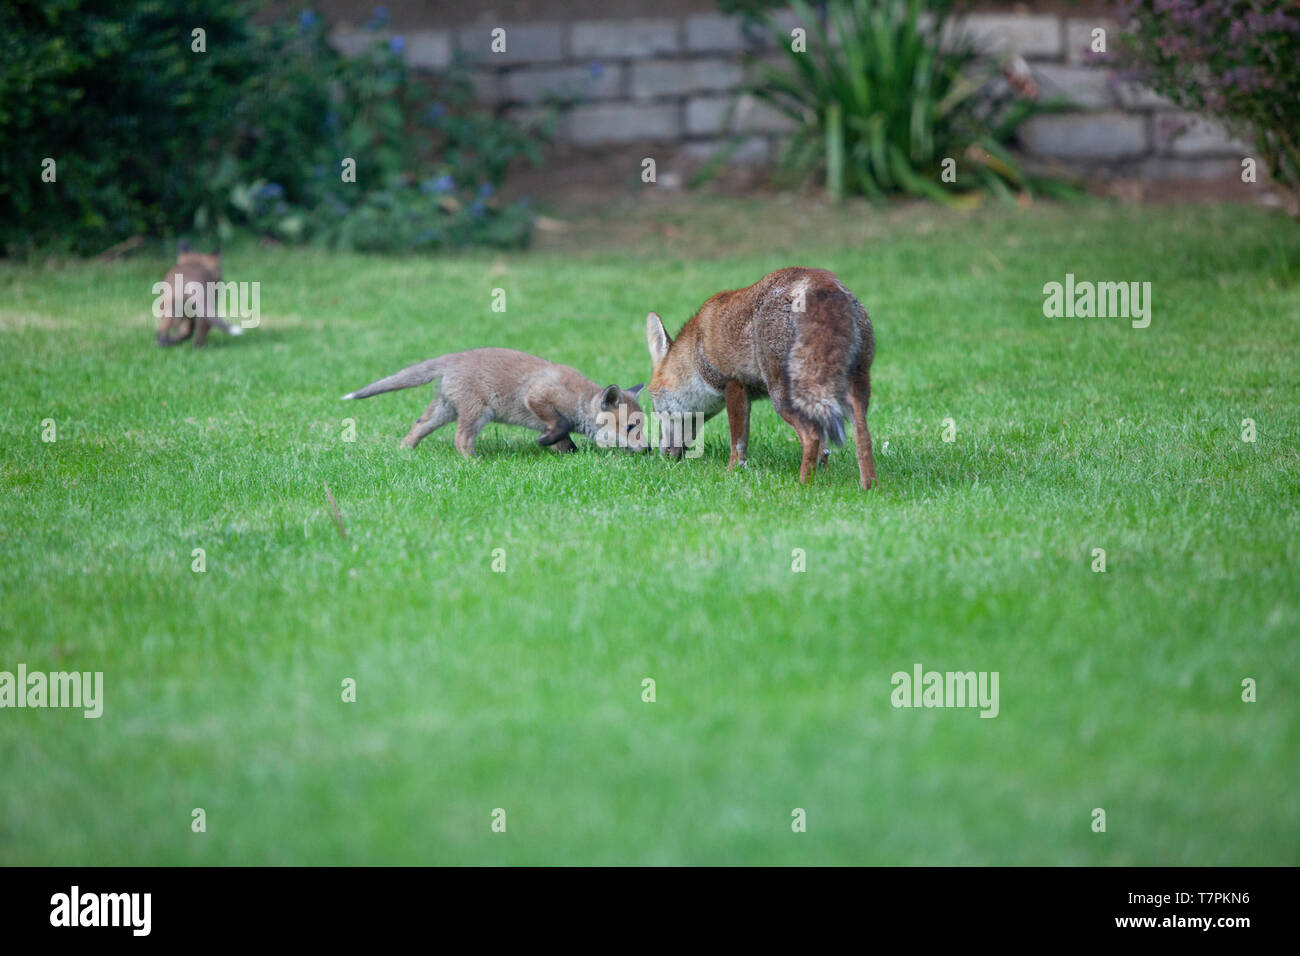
(700, 385)
(583, 417)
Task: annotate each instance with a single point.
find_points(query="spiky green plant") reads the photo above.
(884, 92)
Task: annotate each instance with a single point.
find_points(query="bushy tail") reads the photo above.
(826, 344)
(422, 373)
(824, 411)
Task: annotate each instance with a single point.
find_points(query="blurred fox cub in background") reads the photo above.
(502, 385)
(796, 335)
(191, 267)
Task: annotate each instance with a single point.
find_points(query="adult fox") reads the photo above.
(797, 335)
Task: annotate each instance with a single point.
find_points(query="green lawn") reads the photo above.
(523, 690)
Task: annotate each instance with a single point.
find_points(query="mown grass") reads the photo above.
(522, 690)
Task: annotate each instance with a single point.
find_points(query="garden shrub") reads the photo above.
(151, 137)
(1237, 60)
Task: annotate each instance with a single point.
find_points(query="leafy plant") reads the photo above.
(430, 163)
(1238, 60)
(885, 92)
(152, 137)
(112, 94)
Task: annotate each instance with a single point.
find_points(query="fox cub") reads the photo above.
(798, 336)
(191, 267)
(502, 385)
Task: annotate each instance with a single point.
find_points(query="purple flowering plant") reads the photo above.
(1236, 60)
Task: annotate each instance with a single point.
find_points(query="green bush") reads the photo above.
(884, 93)
(151, 137)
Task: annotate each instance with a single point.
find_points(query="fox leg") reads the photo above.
(557, 436)
(558, 431)
(811, 440)
(812, 455)
(201, 332)
(439, 413)
(859, 397)
(557, 426)
(809, 435)
(169, 323)
(738, 421)
(469, 424)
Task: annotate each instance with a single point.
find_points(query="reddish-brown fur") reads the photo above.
(755, 342)
(191, 266)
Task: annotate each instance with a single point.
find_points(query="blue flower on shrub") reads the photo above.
(476, 209)
(318, 171)
(397, 44)
(485, 191)
(270, 191)
(598, 70)
(443, 184)
(306, 20)
(434, 113)
(379, 19)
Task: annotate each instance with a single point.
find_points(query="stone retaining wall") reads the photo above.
(672, 80)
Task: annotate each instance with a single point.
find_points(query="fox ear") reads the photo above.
(635, 390)
(610, 398)
(656, 337)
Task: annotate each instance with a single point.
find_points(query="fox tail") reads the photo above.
(825, 411)
(819, 377)
(422, 373)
